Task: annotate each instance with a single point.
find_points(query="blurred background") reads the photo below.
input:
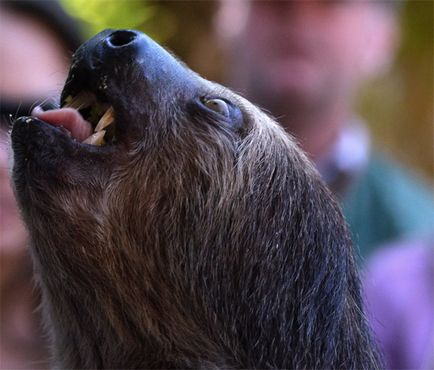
(38, 39)
(398, 106)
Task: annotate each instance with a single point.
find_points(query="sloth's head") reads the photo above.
(167, 212)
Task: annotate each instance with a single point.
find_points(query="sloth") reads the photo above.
(173, 224)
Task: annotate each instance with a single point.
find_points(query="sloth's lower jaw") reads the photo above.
(87, 119)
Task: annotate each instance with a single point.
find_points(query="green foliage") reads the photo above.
(97, 15)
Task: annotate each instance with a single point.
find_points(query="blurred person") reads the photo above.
(37, 41)
(399, 294)
(304, 61)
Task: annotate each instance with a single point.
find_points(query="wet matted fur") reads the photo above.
(199, 239)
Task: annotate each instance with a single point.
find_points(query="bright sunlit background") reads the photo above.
(399, 106)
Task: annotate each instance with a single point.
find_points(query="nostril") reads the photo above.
(121, 38)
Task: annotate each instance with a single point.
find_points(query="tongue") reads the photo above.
(68, 118)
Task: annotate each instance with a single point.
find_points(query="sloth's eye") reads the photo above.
(227, 114)
(217, 105)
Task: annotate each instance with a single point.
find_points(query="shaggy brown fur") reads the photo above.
(198, 239)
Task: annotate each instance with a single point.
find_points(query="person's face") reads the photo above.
(312, 52)
(33, 60)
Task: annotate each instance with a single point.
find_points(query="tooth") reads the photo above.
(96, 139)
(106, 119)
(96, 111)
(80, 101)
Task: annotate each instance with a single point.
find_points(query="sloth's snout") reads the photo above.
(121, 38)
(115, 53)
(119, 47)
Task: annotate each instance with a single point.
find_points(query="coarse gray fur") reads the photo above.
(190, 243)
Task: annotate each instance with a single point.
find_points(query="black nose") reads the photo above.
(109, 58)
(121, 38)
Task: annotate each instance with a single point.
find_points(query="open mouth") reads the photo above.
(86, 118)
